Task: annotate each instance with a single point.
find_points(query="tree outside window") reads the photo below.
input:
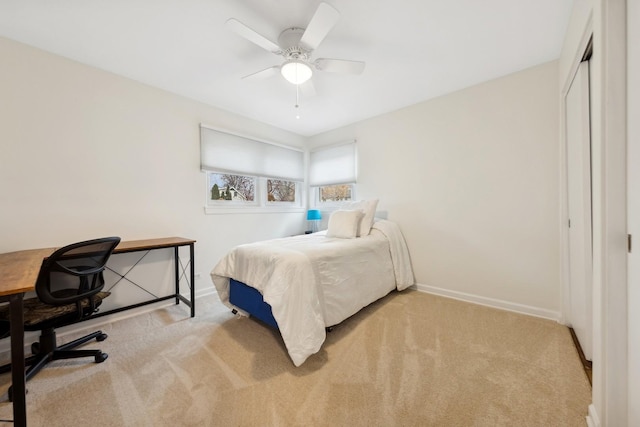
(232, 187)
(281, 191)
(335, 193)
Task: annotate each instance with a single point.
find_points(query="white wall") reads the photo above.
(472, 179)
(85, 153)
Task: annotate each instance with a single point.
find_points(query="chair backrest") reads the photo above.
(75, 271)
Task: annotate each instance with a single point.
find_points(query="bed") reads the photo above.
(310, 282)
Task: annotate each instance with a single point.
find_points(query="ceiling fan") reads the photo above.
(296, 46)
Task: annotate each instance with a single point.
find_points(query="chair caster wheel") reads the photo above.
(101, 357)
(101, 337)
(35, 348)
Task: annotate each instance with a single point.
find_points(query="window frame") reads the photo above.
(316, 202)
(232, 203)
(260, 204)
(297, 191)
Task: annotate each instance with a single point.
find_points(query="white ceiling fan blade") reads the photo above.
(251, 35)
(308, 89)
(263, 74)
(322, 22)
(339, 66)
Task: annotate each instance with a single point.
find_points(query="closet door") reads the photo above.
(579, 207)
(633, 215)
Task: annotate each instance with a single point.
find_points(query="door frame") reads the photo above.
(606, 20)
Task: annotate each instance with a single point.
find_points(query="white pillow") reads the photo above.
(344, 224)
(368, 207)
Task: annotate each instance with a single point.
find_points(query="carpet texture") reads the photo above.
(410, 359)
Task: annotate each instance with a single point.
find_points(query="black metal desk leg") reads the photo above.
(193, 281)
(176, 255)
(18, 381)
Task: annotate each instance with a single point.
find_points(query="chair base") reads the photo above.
(46, 350)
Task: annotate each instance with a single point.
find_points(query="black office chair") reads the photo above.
(69, 289)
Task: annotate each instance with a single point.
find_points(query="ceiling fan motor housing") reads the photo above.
(289, 41)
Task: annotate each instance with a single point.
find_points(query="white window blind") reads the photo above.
(226, 152)
(333, 165)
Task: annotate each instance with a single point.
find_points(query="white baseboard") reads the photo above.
(592, 419)
(209, 290)
(490, 302)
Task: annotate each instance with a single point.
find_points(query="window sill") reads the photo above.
(211, 210)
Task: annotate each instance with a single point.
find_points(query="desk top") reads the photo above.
(19, 270)
(148, 244)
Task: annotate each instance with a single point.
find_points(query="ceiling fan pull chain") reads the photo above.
(297, 102)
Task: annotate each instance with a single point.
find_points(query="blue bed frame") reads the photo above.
(250, 300)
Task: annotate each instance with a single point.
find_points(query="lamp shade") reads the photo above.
(313, 215)
(296, 71)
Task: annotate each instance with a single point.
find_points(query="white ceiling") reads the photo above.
(414, 49)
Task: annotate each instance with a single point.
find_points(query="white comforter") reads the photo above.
(314, 281)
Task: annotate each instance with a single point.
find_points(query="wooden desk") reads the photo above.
(18, 274)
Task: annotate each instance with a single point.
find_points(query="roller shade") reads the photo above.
(225, 152)
(333, 165)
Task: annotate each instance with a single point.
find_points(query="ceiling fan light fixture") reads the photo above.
(296, 71)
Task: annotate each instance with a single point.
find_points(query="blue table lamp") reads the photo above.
(314, 216)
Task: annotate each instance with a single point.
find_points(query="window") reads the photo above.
(335, 193)
(242, 191)
(332, 173)
(231, 188)
(249, 175)
(281, 191)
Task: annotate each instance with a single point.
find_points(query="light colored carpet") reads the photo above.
(411, 359)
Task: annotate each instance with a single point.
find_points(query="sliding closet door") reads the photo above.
(633, 216)
(579, 207)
